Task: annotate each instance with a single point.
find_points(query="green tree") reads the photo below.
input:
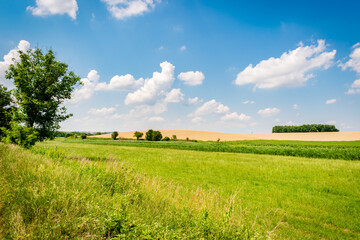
(20, 135)
(114, 135)
(42, 84)
(83, 135)
(6, 110)
(148, 135)
(138, 135)
(152, 135)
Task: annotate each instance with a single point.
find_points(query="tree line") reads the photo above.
(305, 128)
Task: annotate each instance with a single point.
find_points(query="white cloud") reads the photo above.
(174, 96)
(268, 112)
(295, 106)
(144, 110)
(194, 101)
(52, 7)
(211, 107)
(88, 88)
(11, 58)
(103, 111)
(183, 48)
(248, 102)
(236, 116)
(354, 62)
(197, 119)
(355, 87)
(291, 69)
(121, 83)
(156, 119)
(153, 87)
(331, 101)
(192, 78)
(122, 9)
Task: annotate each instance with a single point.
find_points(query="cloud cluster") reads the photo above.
(11, 58)
(88, 88)
(292, 69)
(121, 83)
(194, 101)
(268, 112)
(192, 78)
(52, 7)
(248, 102)
(211, 107)
(235, 116)
(153, 87)
(354, 88)
(174, 96)
(354, 62)
(122, 9)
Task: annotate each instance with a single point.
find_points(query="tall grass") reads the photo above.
(50, 196)
(330, 150)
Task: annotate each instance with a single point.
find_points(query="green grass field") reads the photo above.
(212, 192)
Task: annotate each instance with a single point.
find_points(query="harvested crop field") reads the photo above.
(213, 136)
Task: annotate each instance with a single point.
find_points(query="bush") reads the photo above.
(152, 135)
(83, 136)
(69, 135)
(114, 135)
(173, 137)
(20, 135)
(165, 139)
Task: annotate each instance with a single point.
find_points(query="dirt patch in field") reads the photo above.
(213, 136)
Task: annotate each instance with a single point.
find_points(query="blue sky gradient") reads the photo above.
(220, 39)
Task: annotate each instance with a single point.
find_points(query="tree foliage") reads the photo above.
(152, 135)
(305, 128)
(114, 135)
(21, 135)
(42, 84)
(138, 135)
(6, 110)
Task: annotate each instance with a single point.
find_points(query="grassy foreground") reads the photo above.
(290, 197)
(51, 196)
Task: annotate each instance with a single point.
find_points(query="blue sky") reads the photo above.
(231, 66)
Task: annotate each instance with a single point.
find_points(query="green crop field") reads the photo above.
(137, 189)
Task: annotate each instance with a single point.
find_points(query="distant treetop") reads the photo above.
(305, 128)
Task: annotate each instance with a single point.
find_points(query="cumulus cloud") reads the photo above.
(174, 96)
(156, 119)
(194, 101)
(331, 101)
(268, 112)
(192, 78)
(121, 83)
(52, 7)
(236, 116)
(87, 89)
(211, 107)
(145, 110)
(153, 87)
(11, 58)
(354, 62)
(292, 69)
(102, 111)
(248, 102)
(354, 88)
(122, 9)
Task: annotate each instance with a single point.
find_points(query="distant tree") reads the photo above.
(114, 135)
(173, 137)
(138, 135)
(165, 139)
(152, 135)
(83, 135)
(42, 85)
(98, 133)
(69, 135)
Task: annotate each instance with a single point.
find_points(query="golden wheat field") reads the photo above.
(213, 136)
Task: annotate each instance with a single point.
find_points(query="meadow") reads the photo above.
(188, 190)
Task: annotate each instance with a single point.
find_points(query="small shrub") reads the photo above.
(114, 135)
(165, 139)
(24, 136)
(218, 140)
(173, 137)
(69, 135)
(83, 135)
(187, 139)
